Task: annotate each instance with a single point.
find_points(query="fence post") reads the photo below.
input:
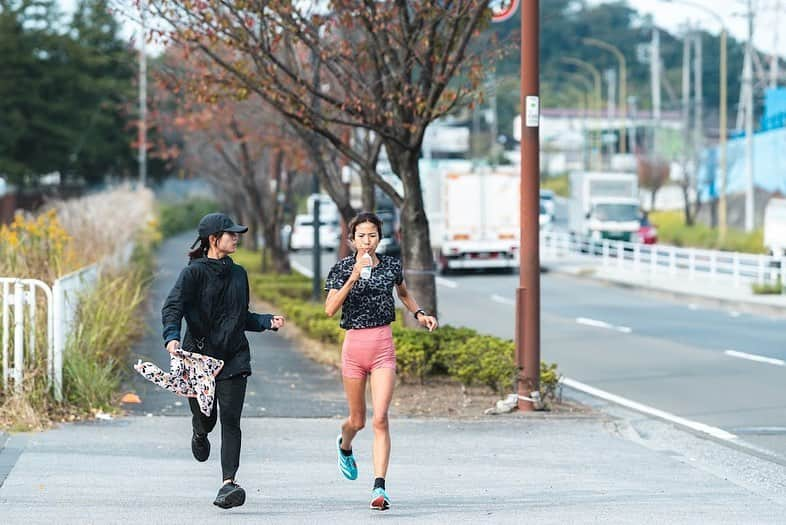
(653, 260)
(605, 249)
(58, 307)
(30, 296)
(760, 270)
(692, 263)
(713, 265)
(735, 264)
(6, 334)
(19, 335)
(636, 256)
(672, 260)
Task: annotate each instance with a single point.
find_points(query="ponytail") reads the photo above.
(200, 251)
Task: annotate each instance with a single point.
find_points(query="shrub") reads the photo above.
(672, 230)
(768, 288)
(182, 216)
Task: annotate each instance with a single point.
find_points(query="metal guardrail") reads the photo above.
(61, 304)
(654, 259)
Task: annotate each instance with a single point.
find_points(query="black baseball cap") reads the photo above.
(214, 223)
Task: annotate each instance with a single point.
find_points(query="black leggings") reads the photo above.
(230, 395)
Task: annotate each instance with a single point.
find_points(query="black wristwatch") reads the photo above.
(418, 311)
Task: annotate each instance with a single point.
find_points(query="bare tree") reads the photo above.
(391, 67)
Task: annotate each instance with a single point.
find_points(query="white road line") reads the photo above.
(693, 306)
(693, 425)
(754, 357)
(446, 282)
(302, 269)
(504, 300)
(602, 324)
(734, 314)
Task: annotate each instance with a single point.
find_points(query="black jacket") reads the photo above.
(212, 295)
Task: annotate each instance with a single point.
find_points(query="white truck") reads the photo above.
(775, 227)
(473, 214)
(604, 205)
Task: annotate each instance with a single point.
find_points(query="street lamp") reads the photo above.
(722, 226)
(596, 77)
(623, 81)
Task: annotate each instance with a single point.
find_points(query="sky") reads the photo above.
(670, 17)
(767, 17)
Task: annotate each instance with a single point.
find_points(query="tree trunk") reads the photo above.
(367, 192)
(416, 254)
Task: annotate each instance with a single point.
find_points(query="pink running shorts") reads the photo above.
(366, 349)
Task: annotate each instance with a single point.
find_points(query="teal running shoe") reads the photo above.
(346, 464)
(379, 499)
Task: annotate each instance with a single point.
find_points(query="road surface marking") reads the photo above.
(302, 269)
(602, 324)
(753, 357)
(693, 306)
(693, 425)
(446, 282)
(504, 300)
(734, 314)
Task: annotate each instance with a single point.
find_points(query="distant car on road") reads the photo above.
(547, 201)
(648, 234)
(302, 237)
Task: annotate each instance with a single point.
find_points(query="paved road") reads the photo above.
(676, 356)
(284, 382)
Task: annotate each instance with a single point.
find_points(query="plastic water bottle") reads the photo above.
(365, 272)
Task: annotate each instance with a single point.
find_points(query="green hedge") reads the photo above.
(672, 230)
(463, 353)
(182, 216)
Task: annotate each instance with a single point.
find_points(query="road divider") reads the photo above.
(602, 324)
(651, 411)
(754, 357)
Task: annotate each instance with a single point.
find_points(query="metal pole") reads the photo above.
(316, 280)
(19, 335)
(748, 81)
(142, 154)
(723, 139)
(528, 291)
(623, 80)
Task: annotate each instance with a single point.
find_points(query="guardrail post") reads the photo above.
(6, 334)
(713, 265)
(636, 257)
(735, 268)
(692, 264)
(605, 249)
(760, 270)
(672, 260)
(30, 296)
(19, 335)
(653, 260)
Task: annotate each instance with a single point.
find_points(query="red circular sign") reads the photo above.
(501, 10)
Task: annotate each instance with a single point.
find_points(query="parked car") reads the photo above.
(544, 219)
(648, 234)
(302, 237)
(389, 243)
(775, 227)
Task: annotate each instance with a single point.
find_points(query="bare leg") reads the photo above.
(382, 382)
(355, 391)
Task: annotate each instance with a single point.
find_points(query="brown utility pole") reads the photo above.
(528, 291)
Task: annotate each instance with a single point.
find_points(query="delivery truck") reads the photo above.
(604, 205)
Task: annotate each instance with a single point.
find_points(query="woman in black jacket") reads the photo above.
(212, 294)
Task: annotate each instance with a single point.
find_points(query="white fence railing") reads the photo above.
(61, 304)
(739, 268)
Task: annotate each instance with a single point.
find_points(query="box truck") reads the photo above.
(604, 205)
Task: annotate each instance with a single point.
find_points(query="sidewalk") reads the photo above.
(512, 469)
(720, 293)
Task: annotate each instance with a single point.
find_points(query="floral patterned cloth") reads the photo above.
(190, 375)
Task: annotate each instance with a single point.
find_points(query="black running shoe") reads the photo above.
(230, 495)
(200, 447)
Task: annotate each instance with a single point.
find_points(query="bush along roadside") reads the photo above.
(181, 216)
(461, 353)
(768, 288)
(108, 317)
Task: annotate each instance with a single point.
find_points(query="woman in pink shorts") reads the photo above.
(367, 309)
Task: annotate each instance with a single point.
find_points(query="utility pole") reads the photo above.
(655, 73)
(528, 291)
(316, 252)
(747, 80)
(142, 153)
(686, 47)
(611, 82)
(698, 122)
(774, 56)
